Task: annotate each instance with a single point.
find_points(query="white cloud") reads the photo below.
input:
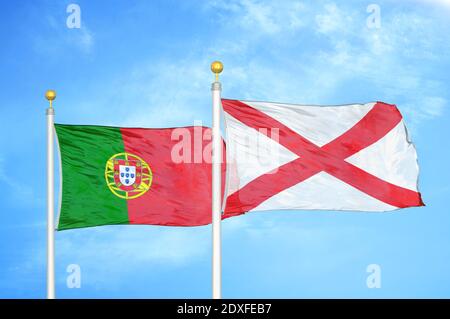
(145, 245)
(59, 38)
(170, 93)
(84, 39)
(434, 106)
(147, 249)
(173, 93)
(443, 3)
(389, 59)
(332, 20)
(424, 108)
(19, 191)
(262, 17)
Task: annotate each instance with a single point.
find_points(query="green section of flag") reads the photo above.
(86, 199)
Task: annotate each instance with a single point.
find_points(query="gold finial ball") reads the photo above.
(50, 95)
(216, 67)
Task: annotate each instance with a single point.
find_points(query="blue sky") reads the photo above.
(146, 63)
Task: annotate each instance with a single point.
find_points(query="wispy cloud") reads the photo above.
(332, 20)
(145, 245)
(261, 17)
(324, 49)
(349, 51)
(170, 93)
(19, 191)
(441, 3)
(59, 38)
(84, 40)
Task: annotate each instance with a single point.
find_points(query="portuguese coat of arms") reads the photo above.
(128, 176)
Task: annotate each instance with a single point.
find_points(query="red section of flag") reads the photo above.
(180, 193)
(329, 158)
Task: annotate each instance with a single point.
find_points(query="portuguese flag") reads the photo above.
(114, 176)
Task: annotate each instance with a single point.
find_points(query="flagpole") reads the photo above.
(216, 88)
(50, 95)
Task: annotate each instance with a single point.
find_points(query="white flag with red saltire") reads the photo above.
(349, 157)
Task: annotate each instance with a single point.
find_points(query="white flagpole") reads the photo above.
(50, 95)
(216, 68)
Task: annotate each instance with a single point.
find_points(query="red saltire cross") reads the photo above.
(329, 158)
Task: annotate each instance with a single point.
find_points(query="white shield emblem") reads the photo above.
(127, 174)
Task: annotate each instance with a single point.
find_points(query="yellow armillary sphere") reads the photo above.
(127, 175)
